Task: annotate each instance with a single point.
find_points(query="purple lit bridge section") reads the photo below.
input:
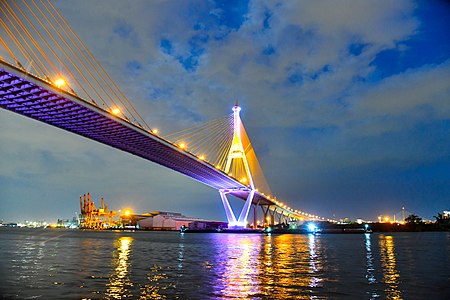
(33, 97)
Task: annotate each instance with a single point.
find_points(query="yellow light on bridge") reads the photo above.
(155, 131)
(218, 167)
(244, 180)
(115, 111)
(182, 146)
(202, 157)
(60, 82)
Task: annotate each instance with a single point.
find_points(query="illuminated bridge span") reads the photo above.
(230, 164)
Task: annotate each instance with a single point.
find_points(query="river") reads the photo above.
(76, 264)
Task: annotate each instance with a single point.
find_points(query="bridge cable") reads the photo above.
(65, 53)
(96, 61)
(19, 45)
(206, 140)
(8, 49)
(81, 62)
(9, 12)
(31, 37)
(47, 44)
(62, 50)
(35, 49)
(13, 38)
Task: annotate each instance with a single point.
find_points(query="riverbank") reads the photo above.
(388, 227)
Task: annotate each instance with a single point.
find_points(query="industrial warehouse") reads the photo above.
(102, 218)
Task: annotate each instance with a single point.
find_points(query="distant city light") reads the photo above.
(127, 212)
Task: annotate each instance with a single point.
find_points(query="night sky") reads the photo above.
(347, 105)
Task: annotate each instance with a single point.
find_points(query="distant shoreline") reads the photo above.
(325, 228)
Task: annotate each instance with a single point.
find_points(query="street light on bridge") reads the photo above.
(115, 111)
(60, 82)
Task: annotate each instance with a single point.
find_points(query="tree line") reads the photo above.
(442, 222)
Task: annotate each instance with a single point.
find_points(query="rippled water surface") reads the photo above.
(75, 264)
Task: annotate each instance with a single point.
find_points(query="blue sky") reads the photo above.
(347, 105)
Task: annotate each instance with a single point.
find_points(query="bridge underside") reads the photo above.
(35, 98)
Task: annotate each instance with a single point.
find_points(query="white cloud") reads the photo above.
(403, 93)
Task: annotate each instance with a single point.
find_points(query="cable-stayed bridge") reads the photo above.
(48, 74)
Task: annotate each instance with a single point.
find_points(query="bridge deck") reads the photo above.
(35, 98)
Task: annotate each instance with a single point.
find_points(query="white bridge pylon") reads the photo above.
(237, 152)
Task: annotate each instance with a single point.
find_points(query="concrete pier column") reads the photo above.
(265, 211)
(255, 215)
(272, 216)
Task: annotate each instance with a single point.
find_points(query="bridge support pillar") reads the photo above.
(285, 219)
(280, 217)
(272, 216)
(268, 215)
(265, 221)
(226, 205)
(255, 215)
(241, 222)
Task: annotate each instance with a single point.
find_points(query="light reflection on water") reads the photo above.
(314, 262)
(119, 281)
(257, 266)
(390, 274)
(369, 265)
(290, 267)
(238, 267)
(148, 265)
(370, 269)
